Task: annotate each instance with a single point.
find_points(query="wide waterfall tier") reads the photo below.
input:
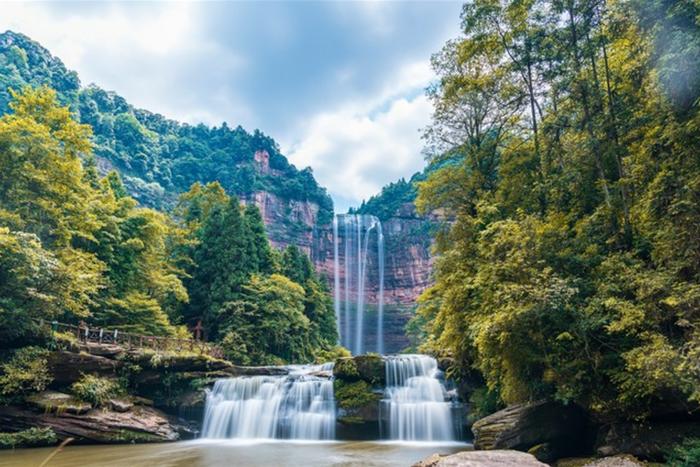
(416, 406)
(353, 237)
(299, 405)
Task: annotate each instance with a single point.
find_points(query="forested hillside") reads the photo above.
(157, 157)
(75, 246)
(572, 268)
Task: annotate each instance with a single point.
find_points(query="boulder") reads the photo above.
(150, 360)
(647, 441)
(496, 458)
(258, 370)
(57, 402)
(103, 350)
(140, 424)
(67, 367)
(624, 460)
(357, 402)
(120, 405)
(564, 429)
(369, 368)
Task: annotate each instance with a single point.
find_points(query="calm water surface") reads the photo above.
(212, 454)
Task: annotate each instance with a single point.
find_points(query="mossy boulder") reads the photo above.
(173, 361)
(58, 402)
(357, 402)
(649, 440)
(368, 368)
(563, 429)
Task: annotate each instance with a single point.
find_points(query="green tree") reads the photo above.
(569, 265)
(267, 324)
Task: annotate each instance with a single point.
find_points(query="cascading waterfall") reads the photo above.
(299, 405)
(349, 303)
(416, 406)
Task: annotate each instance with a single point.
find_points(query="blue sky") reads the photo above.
(338, 84)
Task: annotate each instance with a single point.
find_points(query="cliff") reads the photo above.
(408, 262)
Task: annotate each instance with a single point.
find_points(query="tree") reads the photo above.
(74, 246)
(568, 264)
(267, 325)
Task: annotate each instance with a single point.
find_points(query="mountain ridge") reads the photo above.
(159, 158)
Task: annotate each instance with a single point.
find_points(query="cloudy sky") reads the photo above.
(340, 85)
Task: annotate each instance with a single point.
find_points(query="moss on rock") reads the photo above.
(357, 402)
(369, 368)
(32, 437)
(346, 369)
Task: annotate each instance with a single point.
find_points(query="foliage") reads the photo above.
(157, 156)
(685, 454)
(318, 306)
(354, 395)
(31, 437)
(387, 203)
(25, 372)
(96, 390)
(332, 354)
(73, 246)
(483, 402)
(267, 324)
(565, 144)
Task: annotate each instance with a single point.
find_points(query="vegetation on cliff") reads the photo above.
(572, 268)
(157, 157)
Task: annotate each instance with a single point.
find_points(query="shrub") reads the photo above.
(483, 402)
(27, 371)
(332, 354)
(28, 438)
(95, 390)
(685, 454)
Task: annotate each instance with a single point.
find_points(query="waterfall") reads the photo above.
(416, 406)
(349, 304)
(299, 405)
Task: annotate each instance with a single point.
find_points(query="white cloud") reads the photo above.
(165, 57)
(143, 51)
(361, 146)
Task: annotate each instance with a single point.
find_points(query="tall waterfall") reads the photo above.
(416, 406)
(349, 296)
(299, 405)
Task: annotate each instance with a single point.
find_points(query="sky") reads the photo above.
(339, 85)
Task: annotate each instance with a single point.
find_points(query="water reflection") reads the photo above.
(214, 454)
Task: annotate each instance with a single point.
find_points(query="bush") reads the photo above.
(482, 403)
(95, 390)
(332, 354)
(28, 438)
(27, 371)
(685, 454)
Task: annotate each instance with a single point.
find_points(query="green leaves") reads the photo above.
(570, 265)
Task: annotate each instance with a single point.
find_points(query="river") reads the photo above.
(214, 454)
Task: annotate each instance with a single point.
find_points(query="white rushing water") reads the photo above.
(299, 405)
(350, 297)
(416, 406)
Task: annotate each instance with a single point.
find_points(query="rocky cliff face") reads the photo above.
(406, 271)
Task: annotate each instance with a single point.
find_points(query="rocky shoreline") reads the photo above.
(166, 398)
(164, 401)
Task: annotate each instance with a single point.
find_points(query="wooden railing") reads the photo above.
(86, 334)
